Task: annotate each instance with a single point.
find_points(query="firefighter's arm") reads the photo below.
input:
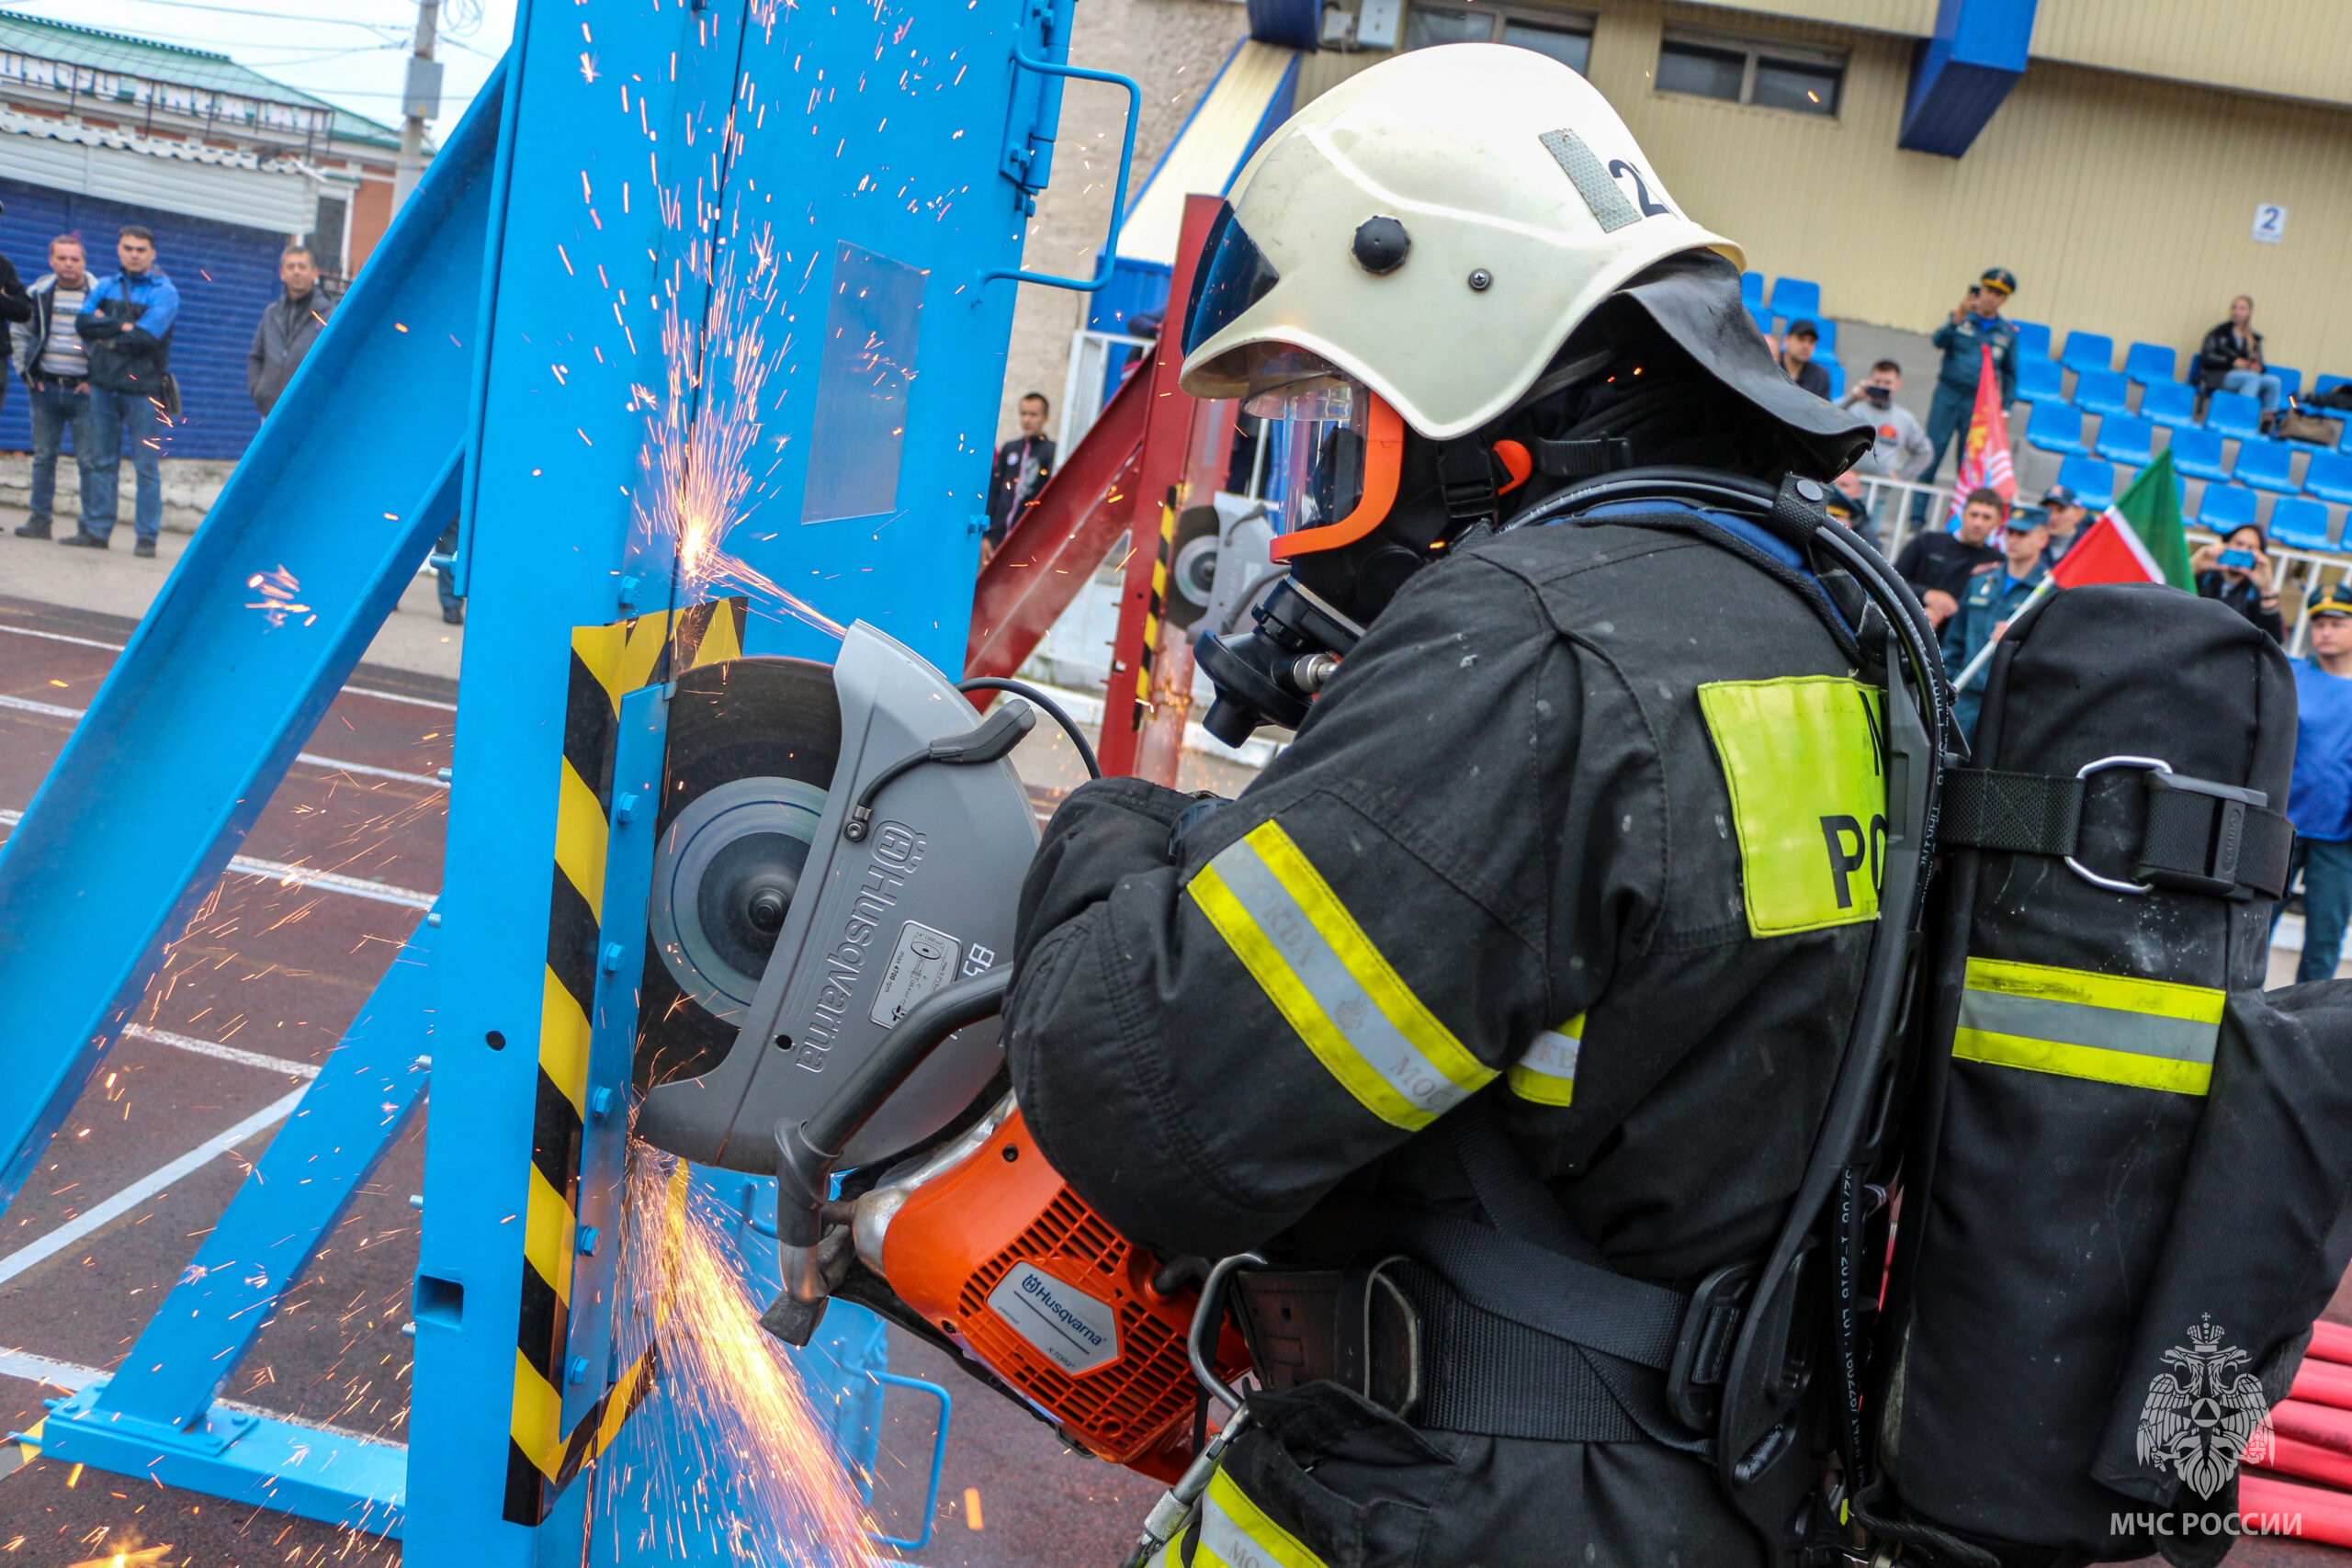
(1205, 1048)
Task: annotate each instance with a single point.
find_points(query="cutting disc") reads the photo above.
(752, 747)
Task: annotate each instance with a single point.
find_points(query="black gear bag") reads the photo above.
(2126, 1165)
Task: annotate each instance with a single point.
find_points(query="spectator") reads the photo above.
(1938, 564)
(1993, 599)
(2237, 572)
(127, 325)
(49, 355)
(1901, 450)
(2319, 801)
(1023, 466)
(1975, 323)
(1848, 505)
(1796, 358)
(289, 325)
(2230, 361)
(2066, 516)
(445, 576)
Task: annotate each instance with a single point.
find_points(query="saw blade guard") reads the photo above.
(926, 896)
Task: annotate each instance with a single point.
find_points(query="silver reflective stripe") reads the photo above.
(1610, 207)
(2076, 1023)
(1359, 1020)
(1553, 1055)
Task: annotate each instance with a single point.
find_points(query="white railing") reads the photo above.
(1091, 357)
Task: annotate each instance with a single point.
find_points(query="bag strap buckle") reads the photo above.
(2196, 834)
(1694, 1377)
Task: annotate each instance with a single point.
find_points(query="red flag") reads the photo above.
(1984, 457)
(2108, 551)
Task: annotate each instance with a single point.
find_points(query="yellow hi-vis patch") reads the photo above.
(1809, 797)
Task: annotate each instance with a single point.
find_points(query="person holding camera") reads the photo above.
(2237, 572)
(1977, 323)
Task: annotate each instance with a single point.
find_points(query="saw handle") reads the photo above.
(986, 742)
(806, 1151)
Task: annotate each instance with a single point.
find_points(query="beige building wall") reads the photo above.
(2123, 203)
(1174, 49)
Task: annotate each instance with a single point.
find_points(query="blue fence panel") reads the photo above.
(225, 273)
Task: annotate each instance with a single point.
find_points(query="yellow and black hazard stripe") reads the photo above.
(607, 662)
(1156, 613)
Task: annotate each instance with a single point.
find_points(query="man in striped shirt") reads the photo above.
(56, 368)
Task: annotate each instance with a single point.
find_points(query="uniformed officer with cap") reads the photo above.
(1976, 321)
(1545, 934)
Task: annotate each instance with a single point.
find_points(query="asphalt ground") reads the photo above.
(273, 970)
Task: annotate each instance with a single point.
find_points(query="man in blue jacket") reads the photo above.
(2320, 800)
(1975, 322)
(1993, 599)
(126, 323)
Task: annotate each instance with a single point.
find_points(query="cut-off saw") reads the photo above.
(839, 856)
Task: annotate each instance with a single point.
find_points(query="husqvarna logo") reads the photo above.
(1076, 1331)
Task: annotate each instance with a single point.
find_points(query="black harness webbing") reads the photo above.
(2198, 837)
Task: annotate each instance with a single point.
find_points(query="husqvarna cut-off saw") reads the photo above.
(841, 852)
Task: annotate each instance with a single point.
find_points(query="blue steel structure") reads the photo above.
(775, 238)
(1963, 73)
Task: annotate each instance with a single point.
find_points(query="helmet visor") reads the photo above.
(1234, 275)
(1333, 450)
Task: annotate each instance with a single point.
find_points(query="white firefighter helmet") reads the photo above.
(1473, 196)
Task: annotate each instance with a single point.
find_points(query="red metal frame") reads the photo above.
(1151, 449)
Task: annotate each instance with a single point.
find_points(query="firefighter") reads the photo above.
(1560, 902)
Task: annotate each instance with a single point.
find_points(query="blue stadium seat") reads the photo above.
(2234, 414)
(2092, 481)
(1762, 318)
(2299, 522)
(2089, 351)
(1751, 290)
(2290, 380)
(2197, 455)
(1836, 378)
(2039, 381)
(2124, 438)
(2265, 465)
(2224, 507)
(2033, 340)
(2172, 404)
(2149, 364)
(1828, 349)
(2102, 392)
(2057, 427)
(2329, 478)
(1796, 300)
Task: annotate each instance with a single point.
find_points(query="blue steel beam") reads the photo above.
(307, 551)
(155, 1415)
(1963, 73)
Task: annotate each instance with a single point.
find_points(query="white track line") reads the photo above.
(73, 1377)
(50, 710)
(224, 1053)
(116, 647)
(114, 1208)
(306, 876)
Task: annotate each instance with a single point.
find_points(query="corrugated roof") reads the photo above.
(175, 63)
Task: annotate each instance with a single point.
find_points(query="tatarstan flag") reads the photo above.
(2137, 539)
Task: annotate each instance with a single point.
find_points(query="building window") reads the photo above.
(326, 240)
(1770, 75)
(1567, 38)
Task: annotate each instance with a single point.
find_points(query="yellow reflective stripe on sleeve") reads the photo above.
(1548, 1073)
(2109, 1028)
(1331, 984)
(1801, 763)
(1236, 1533)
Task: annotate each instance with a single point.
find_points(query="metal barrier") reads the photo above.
(1095, 361)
